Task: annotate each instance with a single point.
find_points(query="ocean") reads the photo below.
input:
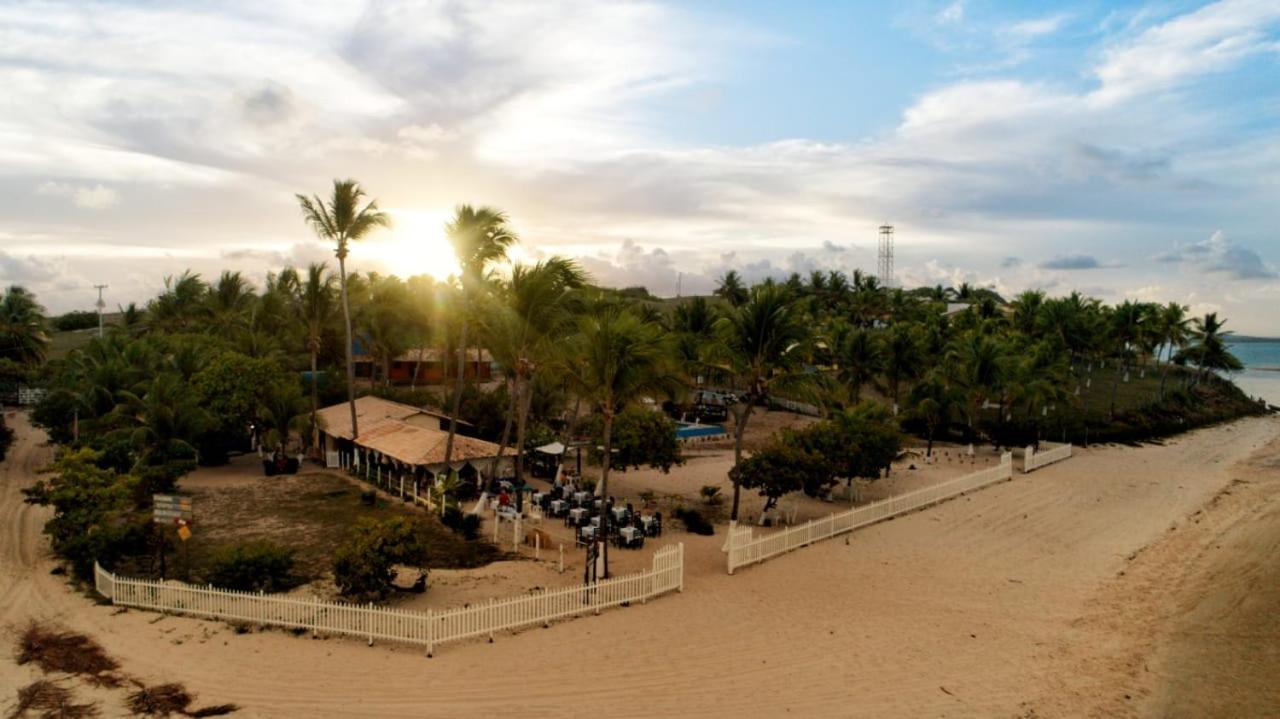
(1261, 375)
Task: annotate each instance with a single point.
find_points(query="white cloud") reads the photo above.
(951, 14)
(92, 197)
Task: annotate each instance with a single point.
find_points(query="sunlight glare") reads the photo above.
(415, 244)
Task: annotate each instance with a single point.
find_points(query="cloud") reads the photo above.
(1071, 262)
(951, 14)
(830, 246)
(92, 197)
(1011, 262)
(1208, 40)
(1219, 255)
(270, 105)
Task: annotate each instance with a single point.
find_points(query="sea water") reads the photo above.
(1261, 374)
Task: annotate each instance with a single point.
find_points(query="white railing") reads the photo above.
(370, 622)
(744, 550)
(1033, 460)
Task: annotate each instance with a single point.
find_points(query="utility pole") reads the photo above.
(101, 306)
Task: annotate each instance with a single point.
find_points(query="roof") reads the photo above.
(371, 412)
(428, 354)
(416, 445)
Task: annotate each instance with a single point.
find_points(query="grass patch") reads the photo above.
(48, 700)
(310, 514)
(165, 700)
(56, 650)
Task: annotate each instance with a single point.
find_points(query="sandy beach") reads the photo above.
(1128, 581)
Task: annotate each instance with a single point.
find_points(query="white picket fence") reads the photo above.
(743, 549)
(371, 622)
(1033, 460)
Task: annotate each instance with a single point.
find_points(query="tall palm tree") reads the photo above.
(731, 288)
(344, 219)
(860, 357)
(480, 237)
(23, 335)
(759, 345)
(1126, 327)
(614, 359)
(1174, 331)
(1209, 350)
(932, 402)
(902, 357)
(315, 303)
(978, 364)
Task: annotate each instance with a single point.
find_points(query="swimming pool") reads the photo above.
(689, 430)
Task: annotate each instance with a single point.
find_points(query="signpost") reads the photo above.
(174, 509)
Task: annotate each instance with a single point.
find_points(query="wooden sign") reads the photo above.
(169, 508)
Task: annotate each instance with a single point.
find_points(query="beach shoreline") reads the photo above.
(1029, 598)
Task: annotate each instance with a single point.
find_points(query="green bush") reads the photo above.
(364, 565)
(694, 522)
(468, 525)
(252, 566)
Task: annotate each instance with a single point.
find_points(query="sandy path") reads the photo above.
(984, 606)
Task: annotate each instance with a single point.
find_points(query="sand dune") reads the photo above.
(1007, 602)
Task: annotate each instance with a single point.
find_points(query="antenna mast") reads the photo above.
(885, 272)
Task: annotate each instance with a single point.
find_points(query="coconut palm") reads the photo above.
(23, 335)
(1125, 329)
(344, 219)
(181, 307)
(1209, 350)
(978, 366)
(162, 420)
(385, 323)
(731, 288)
(760, 347)
(859, 359)
(614, 359)
(315, 304)
(480, 237)
(1174, 331)
(902, 357)
(933, 400)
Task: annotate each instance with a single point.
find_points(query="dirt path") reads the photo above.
(990, 605)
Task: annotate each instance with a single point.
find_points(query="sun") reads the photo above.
(414, 245)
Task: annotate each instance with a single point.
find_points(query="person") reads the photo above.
(504, 499)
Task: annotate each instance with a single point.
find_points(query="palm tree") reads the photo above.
(1126, 326)
(1210, 351)
(181, 306)
(613, 360)
(860, 358)
(932, 402)
(163, 420)
(902, 357)
(480, 237)
(385, 323)
(23, 336)
(1172, 323)
(978, 364)
(731, 289)
(759, 343)
(342, 221)
(314, 304)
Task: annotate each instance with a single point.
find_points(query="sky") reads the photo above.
(1125, 150)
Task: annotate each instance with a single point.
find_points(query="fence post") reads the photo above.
(562, 557)
(489, 615)
(369, 623)
(680, 554)
(1028, 459)
(733, 525)
(431, 632)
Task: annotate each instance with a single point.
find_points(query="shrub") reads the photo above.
(364, 566)
(251, 566)
(368, 497)
(468, 525)
(640, 437)
(694, 522)
(710, 493)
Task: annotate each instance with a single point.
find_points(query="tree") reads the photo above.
(1126, 325)
(93, 516)
(759, 347)
(163, 422)
(1172, 326)
(731, 289)
(1209, 350)
(779, 469)
(364, 565)
(902, 357)
(860, 358)
(640, 437)
(342, 221)
(613, 360)
(480, 237)
(315, 304)
(932, 403)
(23, 335)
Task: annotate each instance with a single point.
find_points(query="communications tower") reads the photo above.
(885, 272)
